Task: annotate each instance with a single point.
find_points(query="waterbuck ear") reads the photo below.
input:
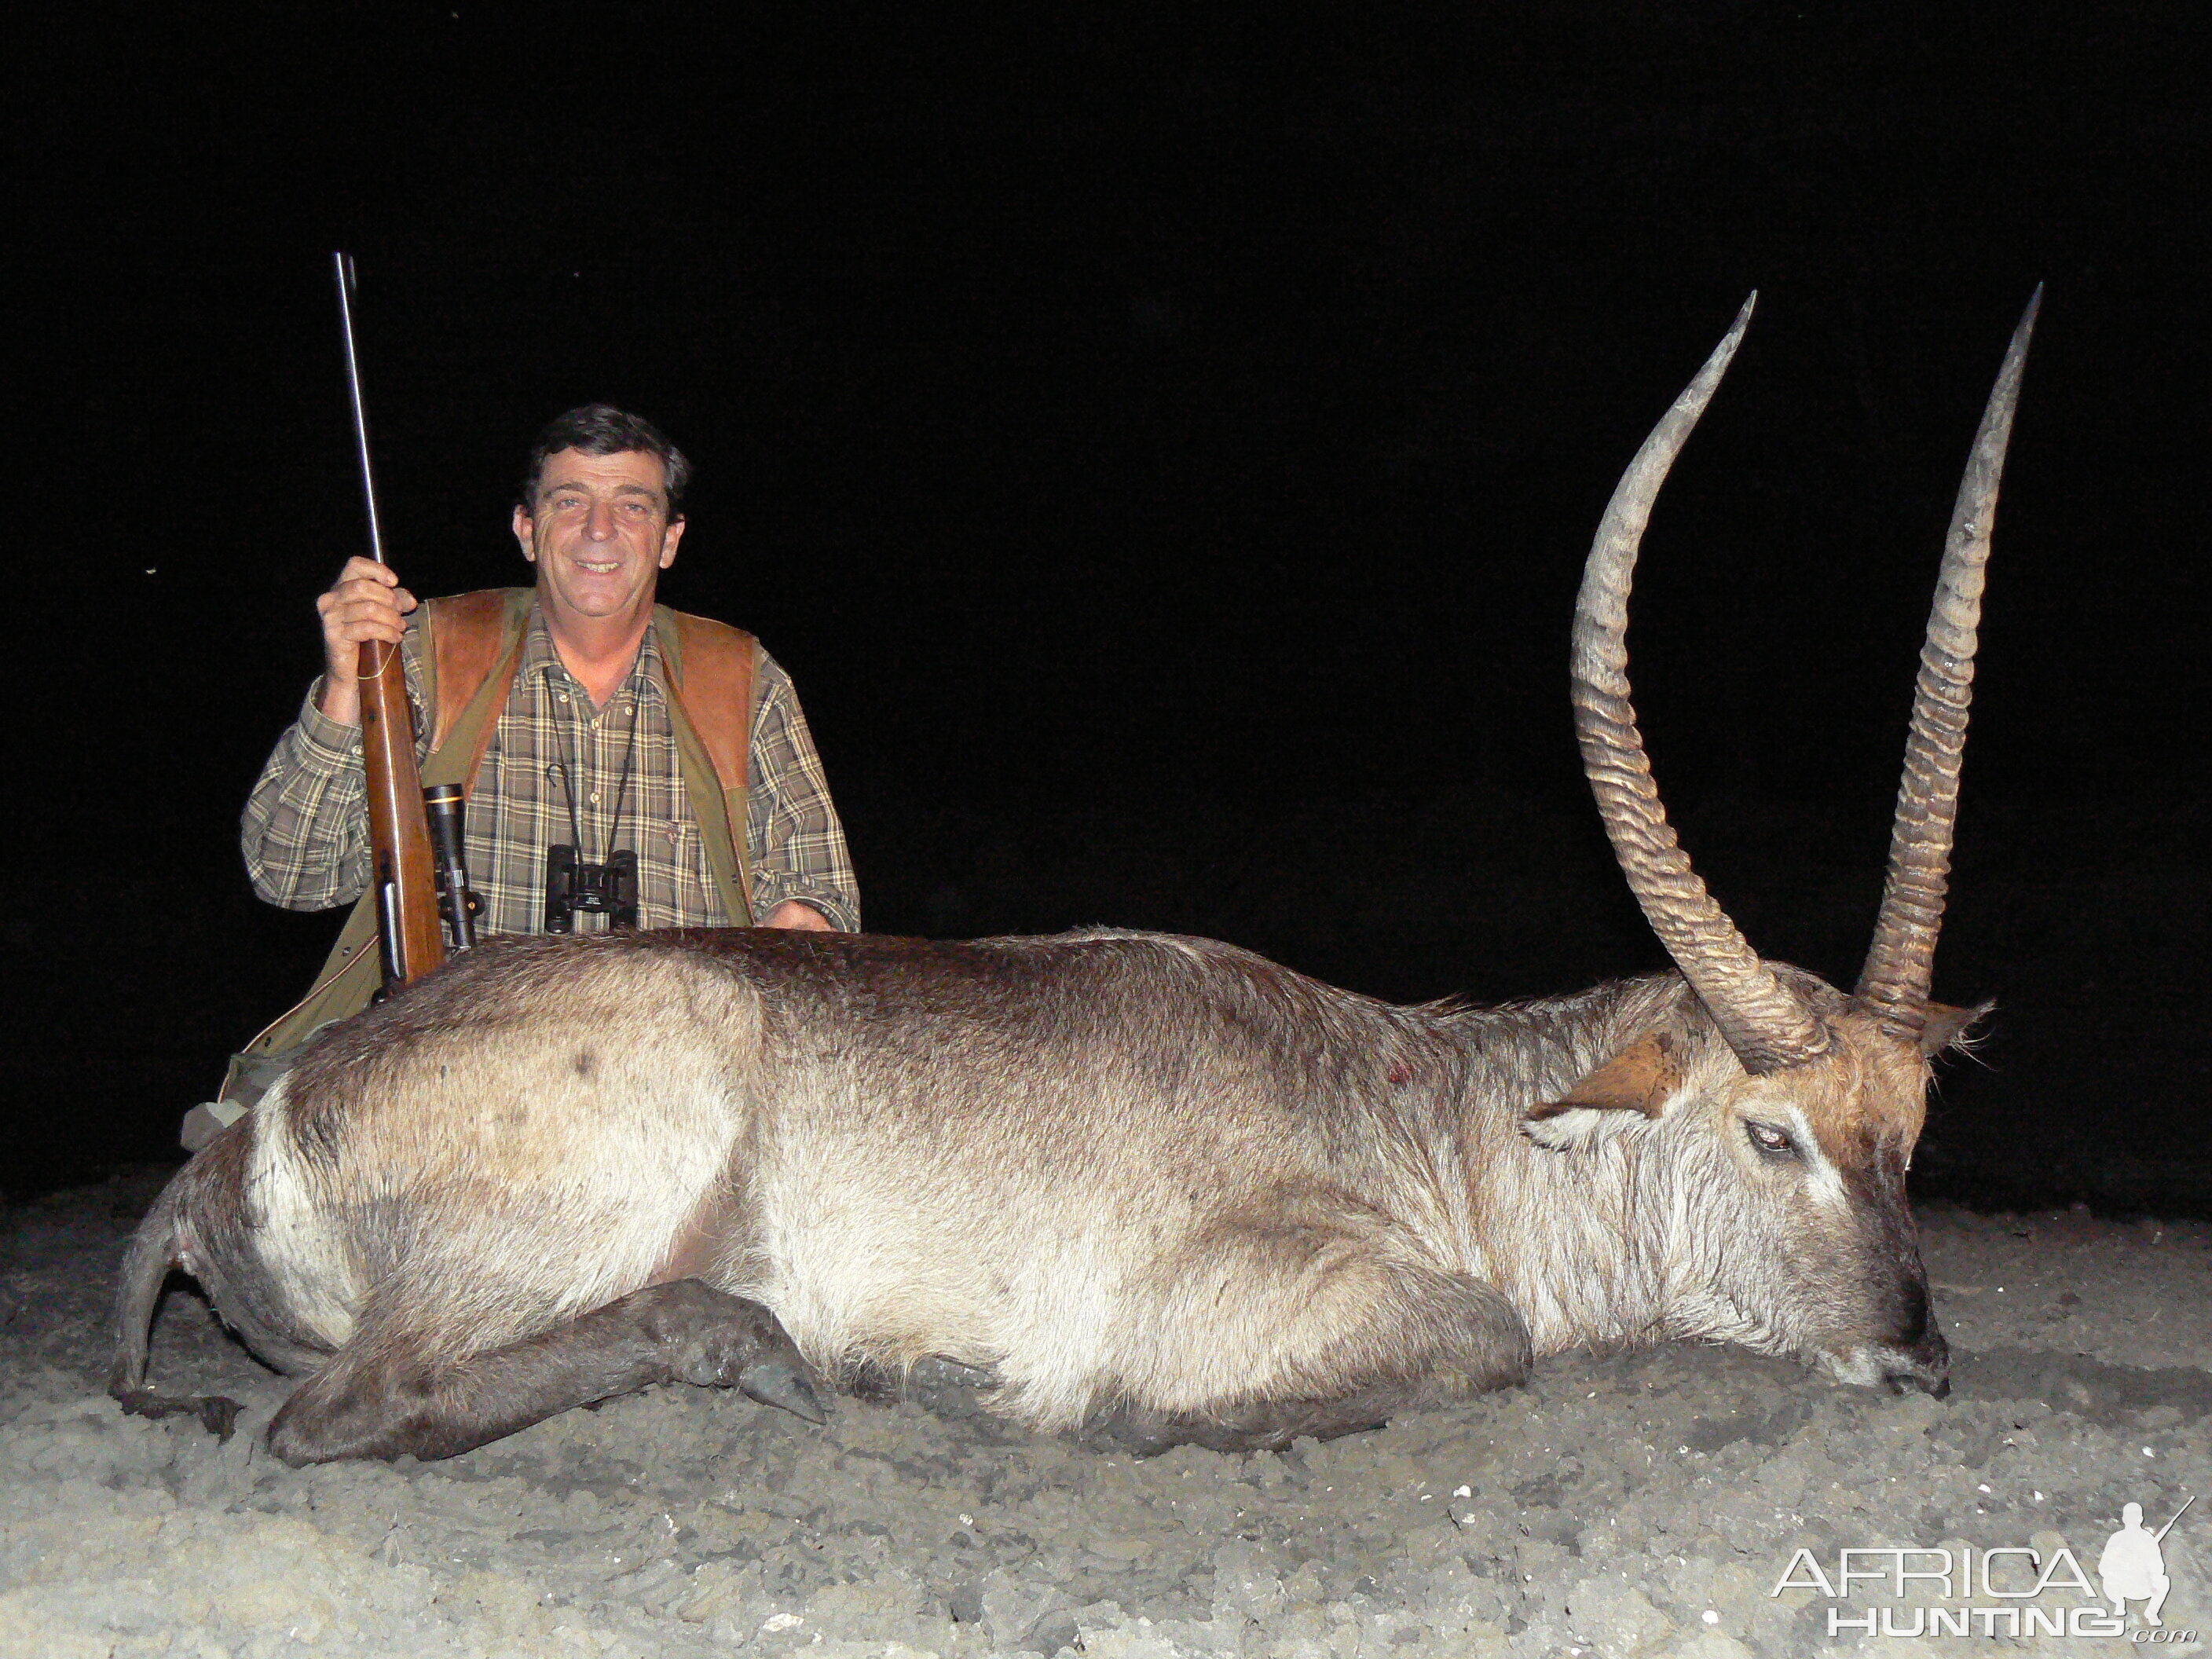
(1633, 1087)
(1948, 1027)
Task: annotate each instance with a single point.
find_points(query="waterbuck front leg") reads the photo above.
(1352, 1332)
(1249, 1426)
(385, 1395)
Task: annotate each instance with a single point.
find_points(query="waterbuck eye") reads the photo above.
(1775, 1143)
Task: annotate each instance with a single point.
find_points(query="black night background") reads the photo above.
(1163, 449)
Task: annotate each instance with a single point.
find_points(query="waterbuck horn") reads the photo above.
(1901, 961)
(1766, 1022)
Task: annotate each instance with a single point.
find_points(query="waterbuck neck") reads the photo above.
(1580, 1241)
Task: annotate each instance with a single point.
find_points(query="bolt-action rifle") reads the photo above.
(415, 834)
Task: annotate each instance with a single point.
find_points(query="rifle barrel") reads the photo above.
(345, 275)
(403, 866)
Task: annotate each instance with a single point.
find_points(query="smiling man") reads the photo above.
(580, 715)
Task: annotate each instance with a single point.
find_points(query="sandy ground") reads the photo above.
(1647, 1504)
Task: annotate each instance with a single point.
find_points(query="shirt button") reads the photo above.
(564, 697)
(595, 798)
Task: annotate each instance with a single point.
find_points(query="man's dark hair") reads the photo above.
(603, 429)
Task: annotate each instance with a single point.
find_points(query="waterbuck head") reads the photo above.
(1788, 1110)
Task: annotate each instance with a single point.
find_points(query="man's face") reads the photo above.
(599, 532)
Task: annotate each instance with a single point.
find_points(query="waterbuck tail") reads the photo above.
(154, 1249)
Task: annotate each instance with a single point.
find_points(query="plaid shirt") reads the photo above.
(305, 828)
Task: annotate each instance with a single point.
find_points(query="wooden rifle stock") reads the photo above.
(413, 940)
(403, 867)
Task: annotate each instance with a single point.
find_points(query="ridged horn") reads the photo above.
(1766, 1023)
(1901, 962)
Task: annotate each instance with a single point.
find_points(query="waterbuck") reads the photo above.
(1152, 1183)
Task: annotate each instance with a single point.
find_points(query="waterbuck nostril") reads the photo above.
(1931, 1380)
(1926, 1364)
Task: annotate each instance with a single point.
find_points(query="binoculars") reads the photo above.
(573, 886)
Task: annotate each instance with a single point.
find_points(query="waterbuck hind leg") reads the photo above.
(386, 1395)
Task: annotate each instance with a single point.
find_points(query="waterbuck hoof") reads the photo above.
(784, 1383)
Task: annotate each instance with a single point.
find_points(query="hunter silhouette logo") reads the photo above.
(2014, 1591)
(2133, 1566)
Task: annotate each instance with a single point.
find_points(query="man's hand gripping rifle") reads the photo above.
(415, 834)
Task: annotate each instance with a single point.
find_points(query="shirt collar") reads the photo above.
(541, 656)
